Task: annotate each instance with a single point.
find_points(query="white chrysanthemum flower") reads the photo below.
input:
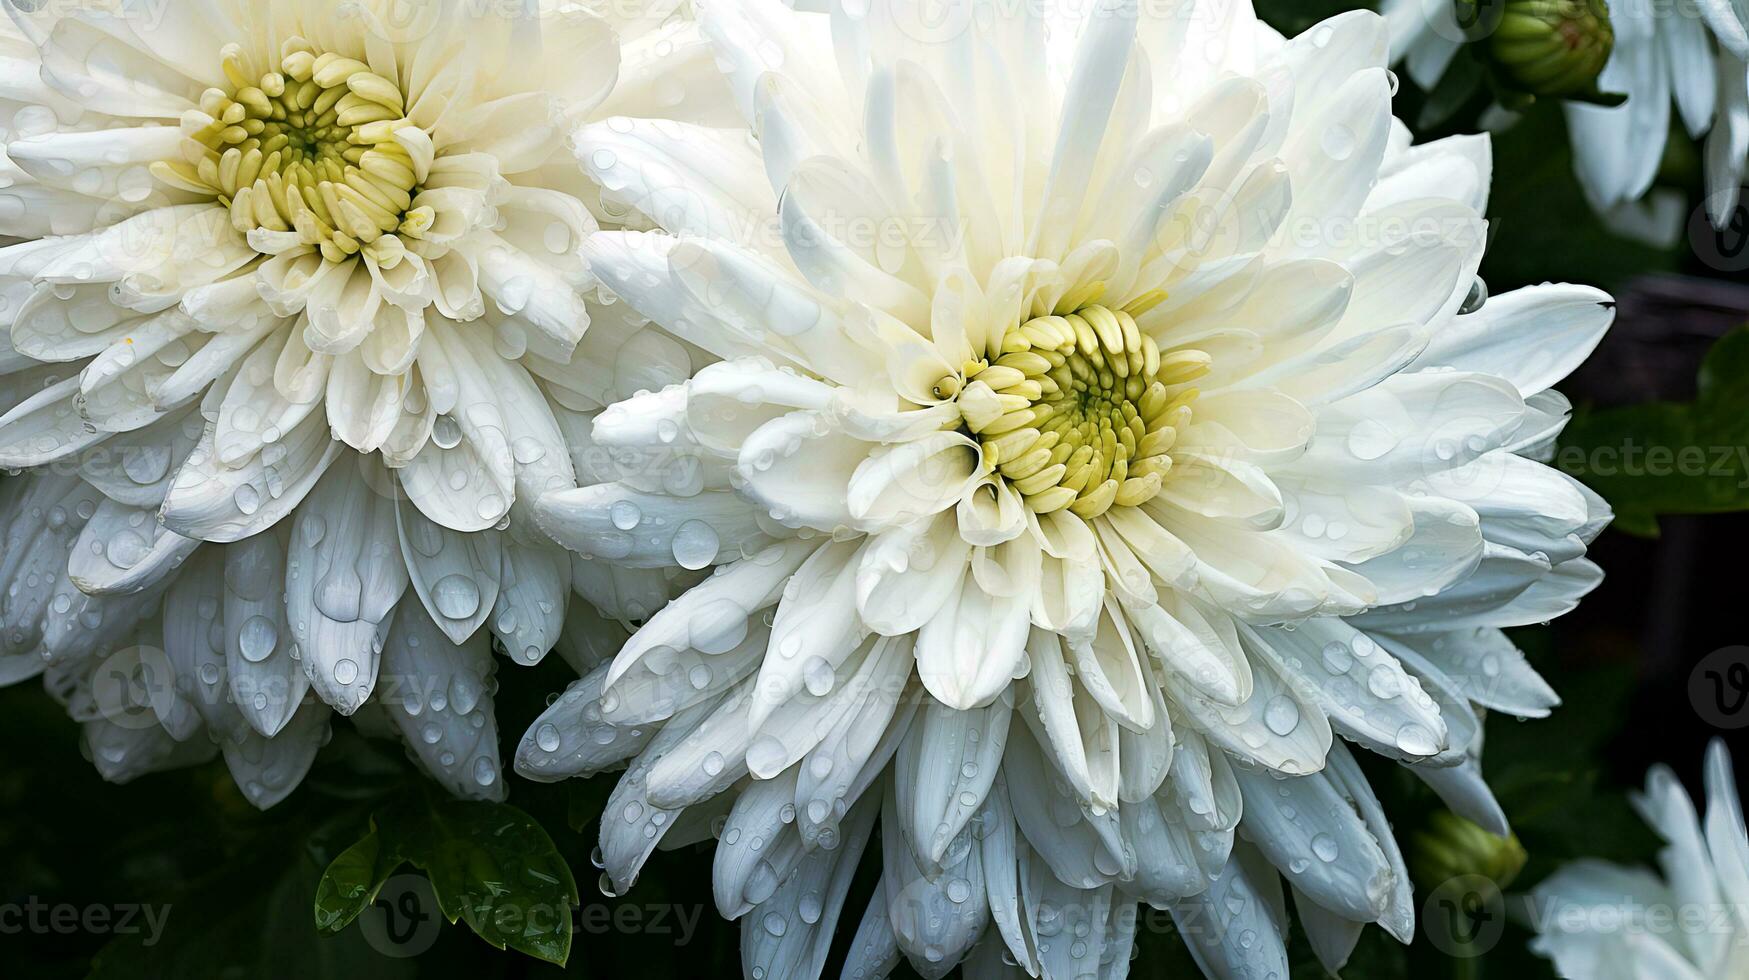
(1597, 919)
(290, 353)
(1693, 55)
(1099, 433)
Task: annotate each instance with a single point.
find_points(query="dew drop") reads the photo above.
(1282, 715)
(456, 596)
(257, 637)
(695, 545)
(624, 514)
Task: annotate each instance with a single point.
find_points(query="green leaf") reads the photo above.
(1665, 458)
(490, 864)
(351, 882)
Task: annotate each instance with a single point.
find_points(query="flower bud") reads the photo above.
(1545, 47)
(1451, 847)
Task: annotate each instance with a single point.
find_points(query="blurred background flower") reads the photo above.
(1618, 69)
(1598, 919)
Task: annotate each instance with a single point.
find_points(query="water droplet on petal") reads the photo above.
(456, 596)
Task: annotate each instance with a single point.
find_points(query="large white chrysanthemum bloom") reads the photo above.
(1102, 443)
(1596, 919)
(291, 347)
(1695, 55)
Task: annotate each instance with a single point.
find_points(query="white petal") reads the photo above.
(757, 848)
(1278, 727)
(1238, 926)
(1361, 688)
(455, 574)
(973, 645)
(943, 772)
(1727, 840)
(46, 426)
(1202, 650)
(1109, 666)
(1166, 864)
(1102, 58)
(1071, 726)
(344, 576)
(124, 550)
(64, 323)
(712, 617)
(791, 933)
(1306, 828)
(1444, 545)
(639, 269)
(543, 310)
(1532, 337)
(935, 920)
(532, 592)
(848, 760)
(1081, 849)
(688, 773)
(570, 738)
(691, 180)
(878, 668)
(631, 827)
(439, 694)
(42, 520)
(759, 299)
(797, 467)
(646, 530)
(267, 769)
(826, 197)
(1413, 426)
(122, 753)
(465, 476)
(815, 628)
(728, 401)
(874, 950)
(217, 502)
(1489, 669)
(266, 682)
(908, 573)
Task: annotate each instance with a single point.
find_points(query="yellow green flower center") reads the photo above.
(1079, 410)
(318, 146)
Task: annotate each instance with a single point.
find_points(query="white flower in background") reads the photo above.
(1695, 55)
(1691, 54)
(1598, 919)
(1100, 431)
(290, 350)
(1426, 35)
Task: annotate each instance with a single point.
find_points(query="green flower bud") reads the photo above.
(1544, 47)
(1451, 847)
